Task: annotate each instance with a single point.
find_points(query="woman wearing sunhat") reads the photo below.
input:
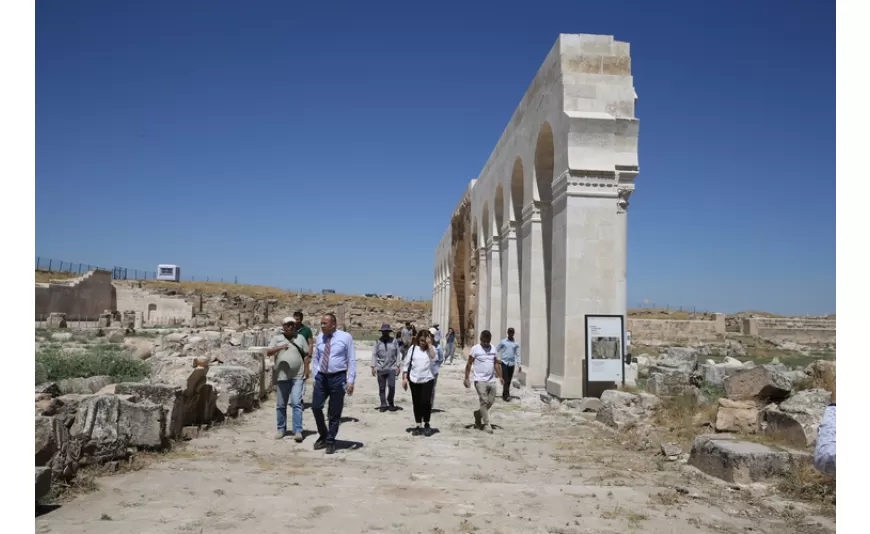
(417, 372)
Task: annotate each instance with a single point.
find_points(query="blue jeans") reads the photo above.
(291, 390)
(332, 387)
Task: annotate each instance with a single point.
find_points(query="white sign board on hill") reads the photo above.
(605, 348)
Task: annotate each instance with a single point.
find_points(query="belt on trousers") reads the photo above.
(329, 375)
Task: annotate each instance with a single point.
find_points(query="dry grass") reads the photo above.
(664, 313)
(630, 515)
(268, 292)
(44, 277)
(678, 417)
(804, 483)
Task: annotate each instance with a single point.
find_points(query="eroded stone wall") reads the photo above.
(83, 298)
(802, 330)
(665, 331)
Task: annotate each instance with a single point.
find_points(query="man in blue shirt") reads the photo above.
(334, 367)
(510, 358)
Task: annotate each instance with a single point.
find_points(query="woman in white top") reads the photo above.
(417, 370)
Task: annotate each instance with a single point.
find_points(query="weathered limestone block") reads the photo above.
(43, 482)
(742, 462)
(107, 424)
(116, 336)
(683, 358)
(170, 397)
(138, 321)
(128, 320)
(255, 360)
(648, 401)
(84, 386)
(797, 419)
(667, 382)
(61, 336)
(56, 320)
(715, 374)
(199, 396)
(630, 372)
(236, 386)
(736, 416)
(53, 448)
(46, 442)
(587, 404)
(618, 416)
(823, 372)
(764, 383)
(49, 388)
(619, 398)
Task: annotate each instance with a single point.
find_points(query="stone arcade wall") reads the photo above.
(802, 330)
(664, 331)
(155, 308)
(82, 298)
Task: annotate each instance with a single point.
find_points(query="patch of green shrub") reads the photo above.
(98, 360)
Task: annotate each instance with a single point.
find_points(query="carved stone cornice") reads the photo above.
(509, 231)
(617, 185)
(493, 245)
(532, 211)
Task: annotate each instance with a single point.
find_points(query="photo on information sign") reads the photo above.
(605, 348)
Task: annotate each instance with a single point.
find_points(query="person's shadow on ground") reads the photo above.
(472, 426)
(343, 445)
(411, 429)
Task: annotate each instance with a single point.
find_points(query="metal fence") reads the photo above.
(125, 273)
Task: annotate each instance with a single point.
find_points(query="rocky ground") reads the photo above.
(547, 468)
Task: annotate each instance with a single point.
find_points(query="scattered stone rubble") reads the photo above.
(766, 400)
(196, 378)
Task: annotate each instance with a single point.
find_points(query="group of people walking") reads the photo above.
(413, 356)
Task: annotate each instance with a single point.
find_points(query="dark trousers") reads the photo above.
(421, 396)
(387, 381)
(507, 372)
(332, 387)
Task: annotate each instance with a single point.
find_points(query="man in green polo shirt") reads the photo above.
(303, 330)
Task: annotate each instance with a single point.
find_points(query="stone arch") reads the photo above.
(517, 190)
(545, 160)
(498, 209)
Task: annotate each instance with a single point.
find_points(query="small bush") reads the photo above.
(109, 360)
(41, 373)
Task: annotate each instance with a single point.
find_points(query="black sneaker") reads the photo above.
(393, 408)
(319, 444)
(417, 430)
(382, 409)
(427, 431)
(330, 448)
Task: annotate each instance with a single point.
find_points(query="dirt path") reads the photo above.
(541, 471)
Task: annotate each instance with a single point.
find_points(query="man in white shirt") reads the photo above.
(483, 360)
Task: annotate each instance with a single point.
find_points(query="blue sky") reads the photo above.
(199, 133)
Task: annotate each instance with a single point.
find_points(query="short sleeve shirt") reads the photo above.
(483, 368)
(305, 332)
(288, 362)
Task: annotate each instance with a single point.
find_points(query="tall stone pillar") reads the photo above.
(445, 313)
(434, 299)
(493, 261)
(510, 281)
(588, 271)
(482, 319)
(533, 342)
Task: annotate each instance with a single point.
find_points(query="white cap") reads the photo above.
(288, 320)
(433, 331)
